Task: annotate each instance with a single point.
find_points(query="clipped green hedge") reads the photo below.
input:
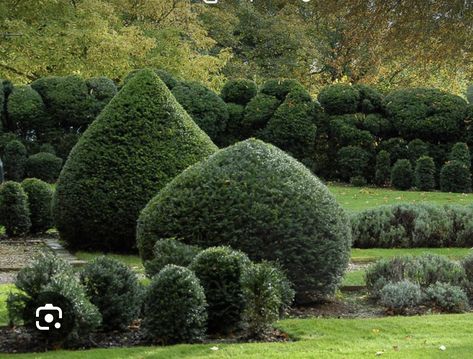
(14, 209)
(413, 225)
(455, 176)
(255, 198)
(44, 166)
(239, 91)
(40, 197)
(339, 99)
(140, 141)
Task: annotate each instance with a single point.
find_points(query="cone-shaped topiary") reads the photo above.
(460, 152)
(14, 211)
(40, 196)
(424, 175)
(140, 141)
(254, 197)
(401, 174)
(383, 168)
(14, 160)
(455, 176)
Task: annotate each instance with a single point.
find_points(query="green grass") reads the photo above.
(360, 198)
(396, 337)
(354, 278)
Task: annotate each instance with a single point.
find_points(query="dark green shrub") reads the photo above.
(460, 152)
(339, 99)
(267, 294)
(121, 161)
(219, 270)
(50, 274)
(410, 226)
(352, 161)
(114, 289)
(424, 271)
(248, 196)
(446, 297)
(376, 124)
(343, 128)
(14, 160)
(424, 175)
(400, 296)
(383, 168)
(101, 91)
(170, 251)
(428, 114)
(14, 210)
(48, 148)
(65, 144)
(239, 91)
(416, 149)
(455, 177)
(292, 127)
(44, 166)
(205, 107)
(234, 131)
(358, 181)
(257, 113)
(396, 147)
(40, 196)
(279, 88)
(402, 174)
(26, 111)
(67, 100)
(5, 139)
(371, 100)
(175, 306)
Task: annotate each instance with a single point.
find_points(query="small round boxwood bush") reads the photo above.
(267, 294)
(358, 181)
(400, 296)
(170, 251)
(383, 168)
(248, 196)
(339, 99)
(26, 111)
(402, 174)
(239, 91)
(257, 113)
(14, 210)
(44, 166)
(424, 174)
(205, 107)
(460, 152)
(219, 270)
(455, 176)
(352, 161)
(139, 142)
(174, 307)
(429, 114)
(40, 196)
(446, 297)
(279, 88)
(14, 160)
(50, 274)
(114, 289)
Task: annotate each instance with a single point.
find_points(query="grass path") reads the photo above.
(360, 198)
(394, 337)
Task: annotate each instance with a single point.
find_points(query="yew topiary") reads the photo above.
(14, 210)
(255, 198)
(14, 160)
(424, 175)
(40, 196)
(140, 141)
(239, 91)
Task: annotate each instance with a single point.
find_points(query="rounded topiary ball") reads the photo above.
(220, 270)
(455, 176)
(239, 91)
(175, 306)
(402, 174)
(254, 197)
(339, 99)
(44, 166)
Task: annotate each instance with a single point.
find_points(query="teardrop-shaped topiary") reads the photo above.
(141, 140)
(254, 197)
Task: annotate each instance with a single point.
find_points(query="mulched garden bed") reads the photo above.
(23, 340)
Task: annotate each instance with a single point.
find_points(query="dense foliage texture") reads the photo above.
(402, 174)
(139, 142)
(14, 210)
(455, 176)
(255, 198)
(14, 159)
(44, 166)
(40, 197)
(424, 174)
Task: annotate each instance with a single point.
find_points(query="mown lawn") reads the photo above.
(394, 337)
(373, 254)
(360, 198)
